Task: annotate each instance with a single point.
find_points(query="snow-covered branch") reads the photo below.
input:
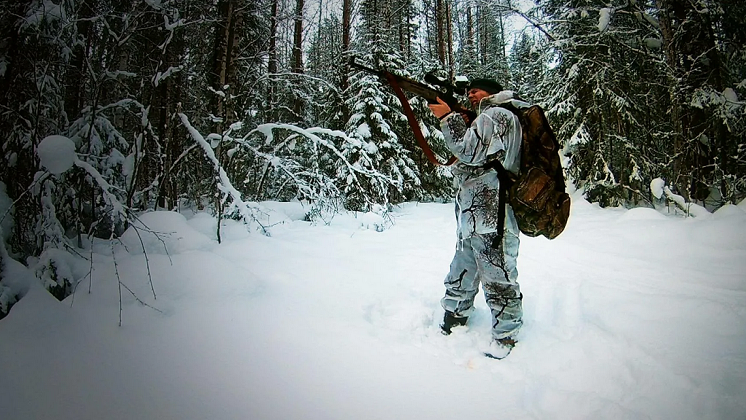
(224, 183)
(660, 190)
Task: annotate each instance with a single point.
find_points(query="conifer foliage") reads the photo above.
(640, 91)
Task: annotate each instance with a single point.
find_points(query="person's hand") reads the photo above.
(441, 109)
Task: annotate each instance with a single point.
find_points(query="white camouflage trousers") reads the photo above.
(478, 261)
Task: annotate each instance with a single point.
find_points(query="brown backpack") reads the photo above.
(537, 195)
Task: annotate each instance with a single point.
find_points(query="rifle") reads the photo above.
(428, 92)
(400, 83)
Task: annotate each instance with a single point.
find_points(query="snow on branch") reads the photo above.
(57, 154)
(224, 183)
(170, 27)
(660, 190)
(313, 135)
(604, 18)
(118, 209)
(159, 76)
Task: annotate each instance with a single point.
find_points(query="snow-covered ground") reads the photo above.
(629, 314)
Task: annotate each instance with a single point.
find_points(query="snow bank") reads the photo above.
(162, 232)
(641, 214)
(293, 210)
(728, 211)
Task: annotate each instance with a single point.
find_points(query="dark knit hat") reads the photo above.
(487, 85)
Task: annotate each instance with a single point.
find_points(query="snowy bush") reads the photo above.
(13, 280)
(660, 191)
(54, 269)
(291, 162)
(377, 127)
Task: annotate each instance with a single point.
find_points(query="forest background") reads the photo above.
(222, 104)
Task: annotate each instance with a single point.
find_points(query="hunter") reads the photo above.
(483, 253)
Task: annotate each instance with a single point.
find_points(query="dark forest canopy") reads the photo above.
(224, 103)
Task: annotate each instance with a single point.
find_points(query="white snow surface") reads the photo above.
(56, 154)
(629, 314)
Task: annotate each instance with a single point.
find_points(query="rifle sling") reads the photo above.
(414, 125)
(506, 181)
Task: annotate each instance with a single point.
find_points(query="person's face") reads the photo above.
(475, 95)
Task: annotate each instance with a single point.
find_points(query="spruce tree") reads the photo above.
(601, 96)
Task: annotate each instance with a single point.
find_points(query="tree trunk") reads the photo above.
(235, 28)
(469, 27)
(75, 76)
(272, 62)
(440, 29)
(345, 69)
(449, 40)
(694, 63)
(297, 66)
(482, 31)
(346, 12)
(221, 58)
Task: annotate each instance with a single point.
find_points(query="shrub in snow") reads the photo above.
(308, 164)
(98, 173)
(659, 190)
(55, 272)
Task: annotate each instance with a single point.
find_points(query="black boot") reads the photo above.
(450, 320)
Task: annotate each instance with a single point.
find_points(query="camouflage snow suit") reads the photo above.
(480, 256)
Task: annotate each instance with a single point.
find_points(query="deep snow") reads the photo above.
(629, 314)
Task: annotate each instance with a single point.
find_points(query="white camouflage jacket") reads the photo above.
(494, 134)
